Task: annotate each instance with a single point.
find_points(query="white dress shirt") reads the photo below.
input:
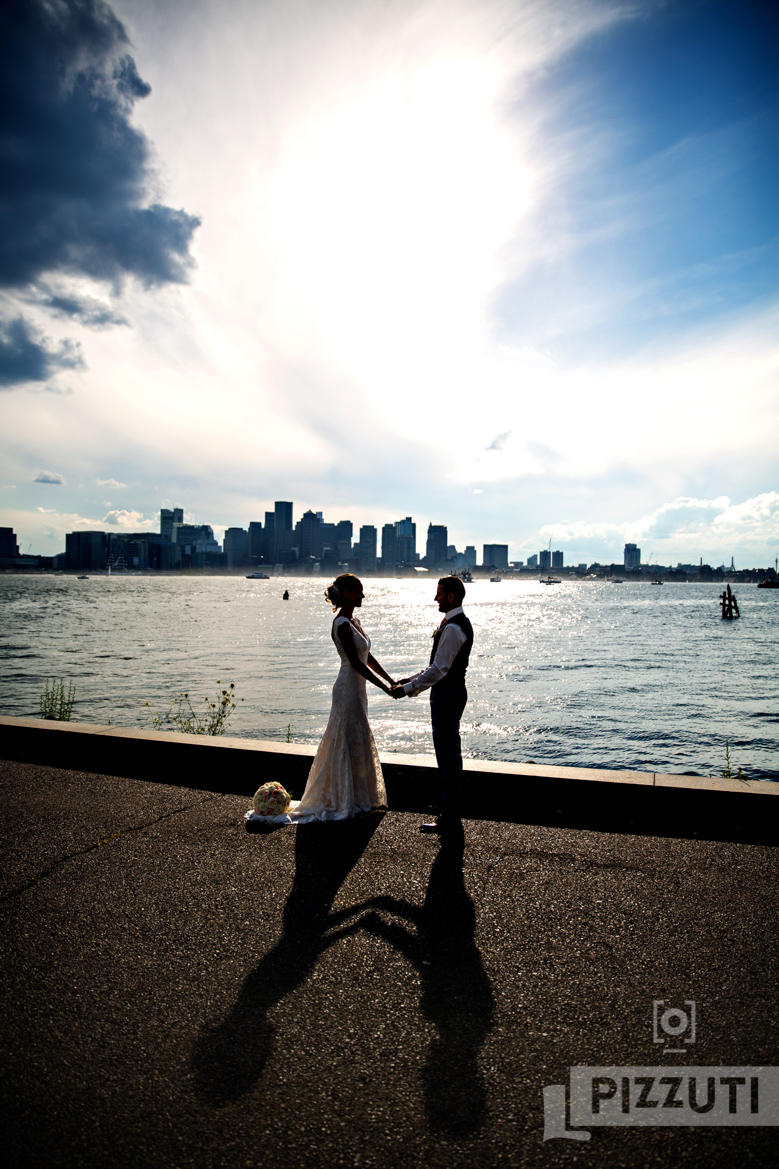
(451, 641)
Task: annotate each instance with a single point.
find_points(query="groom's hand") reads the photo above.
(397, 691)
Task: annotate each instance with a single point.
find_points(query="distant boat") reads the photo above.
(617, 580)
(769, 584)
(496, 580)
(547, 580)
(656, 582)
(258, 576)
(82, 578)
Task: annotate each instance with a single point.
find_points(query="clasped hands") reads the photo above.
(396, 690)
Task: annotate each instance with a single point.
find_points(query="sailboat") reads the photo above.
(549, 579)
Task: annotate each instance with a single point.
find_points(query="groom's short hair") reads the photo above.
(453, 585)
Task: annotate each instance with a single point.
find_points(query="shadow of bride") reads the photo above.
(229, 1056)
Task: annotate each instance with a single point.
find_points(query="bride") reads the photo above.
(345, 777)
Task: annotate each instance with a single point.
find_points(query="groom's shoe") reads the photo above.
(441, 826)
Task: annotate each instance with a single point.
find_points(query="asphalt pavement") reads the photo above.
(179, 992)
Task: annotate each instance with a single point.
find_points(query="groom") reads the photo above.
(445, 676)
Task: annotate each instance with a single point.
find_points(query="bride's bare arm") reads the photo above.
(374, 665)
(346, 637)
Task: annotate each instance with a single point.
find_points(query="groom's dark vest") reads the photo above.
(455, 675)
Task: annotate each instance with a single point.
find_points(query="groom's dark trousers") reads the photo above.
(447, 704)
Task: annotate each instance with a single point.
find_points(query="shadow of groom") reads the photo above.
(437, 938)
(457, 995)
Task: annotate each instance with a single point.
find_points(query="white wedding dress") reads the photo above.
(345, 777)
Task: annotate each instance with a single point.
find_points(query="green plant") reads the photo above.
(183, 717)
(727, 771)
(56, 702)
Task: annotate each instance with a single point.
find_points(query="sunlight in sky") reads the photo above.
(501, 264)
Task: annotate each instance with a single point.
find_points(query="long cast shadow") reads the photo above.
(229, 1057)
(438, 939)
(457, 994)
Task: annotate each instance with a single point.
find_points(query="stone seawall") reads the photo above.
(634, 801)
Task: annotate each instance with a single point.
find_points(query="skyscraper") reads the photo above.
(283, 517)
(255, 547)
(389, 555)
(310, 538)
(368, 548)
(86, 550)
(168, 518)
(235, 544)
(545, 559)
(496, 556)
(269, 538)
(557, 560)
(435, 551)
(406, 541)
(9, 548)
(632, 557)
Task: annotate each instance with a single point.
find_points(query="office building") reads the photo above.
(195, 534)
(168, 518)
(557, 560)
(406, 541)
(8, 545)
(544, 559)
(632, 557)
(269, 538)
(309, 535)
(389, 554)
(344, 531)
(532, 562)
(435, 549)
(283, 529)
(255, 546)
(496, 556)
(470, 556)
(368, 549)
(86, 550)
(236, 542)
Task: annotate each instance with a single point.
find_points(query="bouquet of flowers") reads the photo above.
(271, 799)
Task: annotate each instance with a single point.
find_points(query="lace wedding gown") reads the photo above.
(345, 777)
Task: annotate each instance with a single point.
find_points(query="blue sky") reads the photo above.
(509, 266)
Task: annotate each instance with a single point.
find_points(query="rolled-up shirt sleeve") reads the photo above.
(451, 641)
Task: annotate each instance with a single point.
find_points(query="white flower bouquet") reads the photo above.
(271, 799)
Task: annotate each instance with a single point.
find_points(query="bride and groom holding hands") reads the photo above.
(346, 778)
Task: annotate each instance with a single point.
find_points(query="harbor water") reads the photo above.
(583, 673)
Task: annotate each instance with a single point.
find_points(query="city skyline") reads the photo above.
(282, 541)
(501, 263)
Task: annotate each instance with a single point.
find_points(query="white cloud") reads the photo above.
(129, 519)
(109, 483)
(50, 477)
(685, 528)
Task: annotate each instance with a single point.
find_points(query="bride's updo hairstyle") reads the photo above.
(345, 583)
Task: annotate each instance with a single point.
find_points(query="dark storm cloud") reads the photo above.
(85, 309)
(73, 170)
(27, 356)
